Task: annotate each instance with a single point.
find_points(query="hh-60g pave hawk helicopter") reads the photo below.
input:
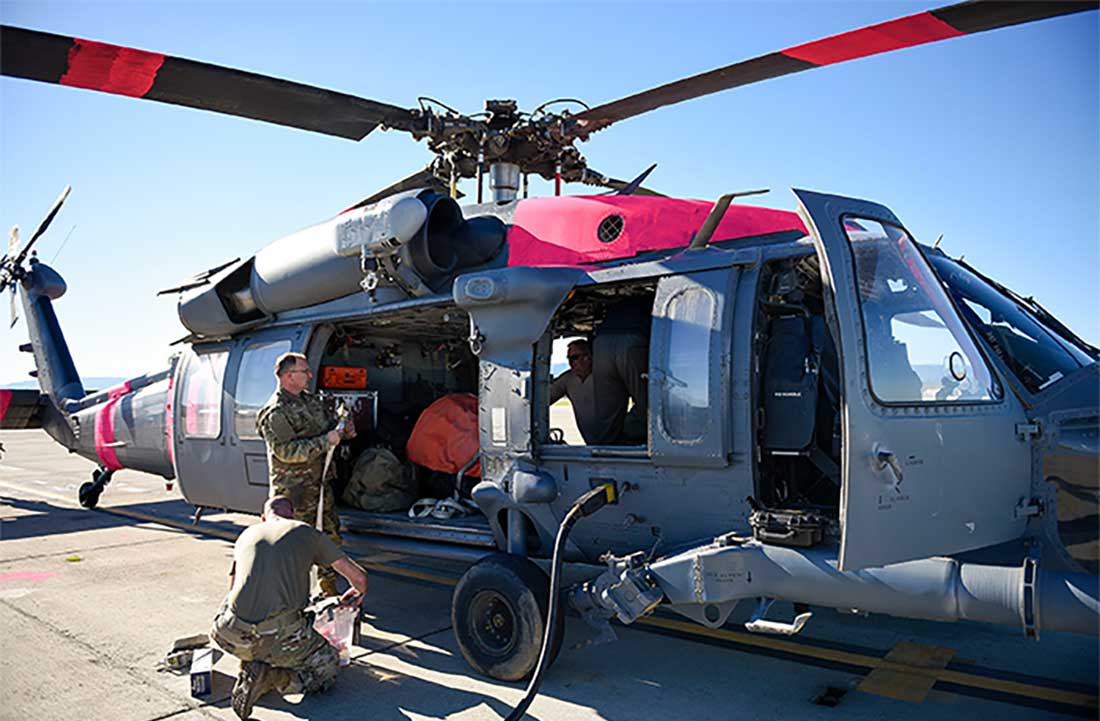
(833, 413)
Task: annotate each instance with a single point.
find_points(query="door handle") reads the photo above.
(884, 458)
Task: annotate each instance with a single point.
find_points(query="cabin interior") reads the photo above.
(415, 356)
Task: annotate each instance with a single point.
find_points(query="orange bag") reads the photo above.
(445, 435)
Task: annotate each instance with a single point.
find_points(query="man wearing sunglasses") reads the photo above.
(299, 430)
(577, 385)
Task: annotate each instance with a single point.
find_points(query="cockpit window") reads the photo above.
(1032, 352)
(918, 351)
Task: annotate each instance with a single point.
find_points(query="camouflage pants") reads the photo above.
(305, 494)
(309, 663)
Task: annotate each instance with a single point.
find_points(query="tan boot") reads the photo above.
(254, 680)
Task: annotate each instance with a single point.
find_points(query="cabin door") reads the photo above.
(931, 463)
(249, 384)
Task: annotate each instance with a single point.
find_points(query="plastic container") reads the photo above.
(337, 624)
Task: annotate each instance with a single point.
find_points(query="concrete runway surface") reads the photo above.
(90, 601)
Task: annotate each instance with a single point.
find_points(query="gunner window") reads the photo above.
(202, 394)
(255, 384)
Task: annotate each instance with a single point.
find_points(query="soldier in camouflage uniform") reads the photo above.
(298, 429)
(261, 621)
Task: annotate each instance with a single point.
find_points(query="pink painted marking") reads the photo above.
(891, 35)
(105, 427)
(563, 230)
(25, 576)
(111, 68)
(169, 424)
(5, 401)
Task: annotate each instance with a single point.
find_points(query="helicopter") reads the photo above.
(835, 412)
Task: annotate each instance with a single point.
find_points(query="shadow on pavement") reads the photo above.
(49, 519)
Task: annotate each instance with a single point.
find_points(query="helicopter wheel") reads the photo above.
(499, 613)
(89, 492)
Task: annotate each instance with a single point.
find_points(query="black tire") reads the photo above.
(89, 494)
(499, 613)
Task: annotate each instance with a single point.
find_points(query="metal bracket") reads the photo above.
(1024, 431)
(1028, 507)
(758, 624)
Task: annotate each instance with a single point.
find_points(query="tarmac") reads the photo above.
(90, 601)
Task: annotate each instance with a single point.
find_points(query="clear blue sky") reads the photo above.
(991, 140)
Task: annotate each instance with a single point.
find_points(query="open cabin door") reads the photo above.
(931, 463)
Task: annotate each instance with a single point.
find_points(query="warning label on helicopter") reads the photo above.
(500, 425)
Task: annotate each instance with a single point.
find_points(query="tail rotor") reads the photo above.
(11, 265)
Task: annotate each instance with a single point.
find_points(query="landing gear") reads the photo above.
(89, 492)
(499, 613)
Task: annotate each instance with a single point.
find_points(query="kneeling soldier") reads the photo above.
(261, 621)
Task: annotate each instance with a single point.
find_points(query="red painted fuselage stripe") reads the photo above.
(111, 68)
(892, 35)
(105, 427)
(169, 424)
(5, 401)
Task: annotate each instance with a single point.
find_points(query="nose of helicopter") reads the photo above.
(1070, 447)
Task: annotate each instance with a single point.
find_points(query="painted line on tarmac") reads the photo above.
(967, 683)
(1048, 693)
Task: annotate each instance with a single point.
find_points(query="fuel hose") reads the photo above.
(586, 505)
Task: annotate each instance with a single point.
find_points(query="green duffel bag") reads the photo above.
(379, 483)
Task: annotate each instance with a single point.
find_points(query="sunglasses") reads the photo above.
(572, 358)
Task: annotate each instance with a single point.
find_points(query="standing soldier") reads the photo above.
(299, 431)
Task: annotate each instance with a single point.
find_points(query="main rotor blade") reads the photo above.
(952, 21)
(50, 58)
(420, 179)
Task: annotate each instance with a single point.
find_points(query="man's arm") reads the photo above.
(354, 574)
(279, 435)
(557, 387)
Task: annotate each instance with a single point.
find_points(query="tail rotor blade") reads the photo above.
(14, 309)
(47, 220)
(13, 242)
(7, 263)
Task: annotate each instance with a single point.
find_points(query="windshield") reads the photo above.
(1032, 352)
(918, 351)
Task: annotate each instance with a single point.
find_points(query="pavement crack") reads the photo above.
(99, 657)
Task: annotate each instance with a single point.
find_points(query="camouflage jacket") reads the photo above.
(294, 428)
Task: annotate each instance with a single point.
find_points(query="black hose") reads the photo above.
(586, 505)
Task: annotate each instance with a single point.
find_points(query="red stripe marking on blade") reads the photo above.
(891, 35)
(111, 68)
(5, 401)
